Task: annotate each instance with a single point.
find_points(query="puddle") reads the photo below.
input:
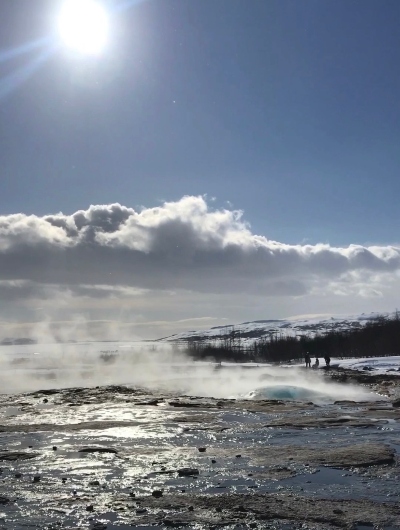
(8, 412)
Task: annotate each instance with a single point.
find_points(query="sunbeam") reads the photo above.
(12, 81)
(6, 55)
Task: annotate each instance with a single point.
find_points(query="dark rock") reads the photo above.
(152, 402)
(89, 508)
(36, 478)
(187, 472)
(45, 400)
(94, 483)
(140, 511)
(98, 450)
(157, 494)
(4, 500)
(185, 404)
(238, 456)
(337, 511)
(55, 448)
(190, 508)
(11, 456)
(396, 403)
(213, 461)
(18, 475)
(202, 449)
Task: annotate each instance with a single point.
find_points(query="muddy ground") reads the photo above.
(119, 457)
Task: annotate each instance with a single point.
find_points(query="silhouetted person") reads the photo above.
(327, 360)
(307, 358)
(316, 362)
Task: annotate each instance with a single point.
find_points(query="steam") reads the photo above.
(158, 367)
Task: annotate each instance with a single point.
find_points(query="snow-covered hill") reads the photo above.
(248, 332)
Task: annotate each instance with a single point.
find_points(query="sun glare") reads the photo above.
(83, 26)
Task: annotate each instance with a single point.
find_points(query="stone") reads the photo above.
(187, 472)
(11, 456)
(98, 450)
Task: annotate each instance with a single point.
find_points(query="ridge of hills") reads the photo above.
(249, 332)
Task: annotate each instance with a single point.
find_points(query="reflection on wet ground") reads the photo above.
(247, 463)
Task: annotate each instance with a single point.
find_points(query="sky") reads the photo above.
(218, 161)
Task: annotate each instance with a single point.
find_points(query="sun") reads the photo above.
(83, 26)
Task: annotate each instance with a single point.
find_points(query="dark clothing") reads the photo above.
(327, 360)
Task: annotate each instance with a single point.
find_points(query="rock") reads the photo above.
(187, 472)
(152, 402)
(141, 511)
(55, 448)
(202, 449)
(190, 508)
(187, 404)
(157, 494)
(238, 456)
(337, 511)
(94, 483)
(36, 478)
(89, 508)
(98, 450)
(45, 400)
(213, 461)
(11, 456)
(4, 500)
(18, 475)
(396, 403)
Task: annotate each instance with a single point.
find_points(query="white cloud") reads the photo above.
(183, 250)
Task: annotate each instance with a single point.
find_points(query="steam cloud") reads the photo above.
(160, 368)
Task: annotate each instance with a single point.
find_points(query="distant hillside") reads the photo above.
(17, 342)
(249, 332)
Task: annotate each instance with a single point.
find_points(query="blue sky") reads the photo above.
(287, 110)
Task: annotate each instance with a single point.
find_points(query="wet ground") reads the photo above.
(118, 457)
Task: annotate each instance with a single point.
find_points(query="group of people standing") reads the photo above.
(316, 364)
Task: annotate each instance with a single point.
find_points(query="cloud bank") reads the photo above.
(112, 252)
